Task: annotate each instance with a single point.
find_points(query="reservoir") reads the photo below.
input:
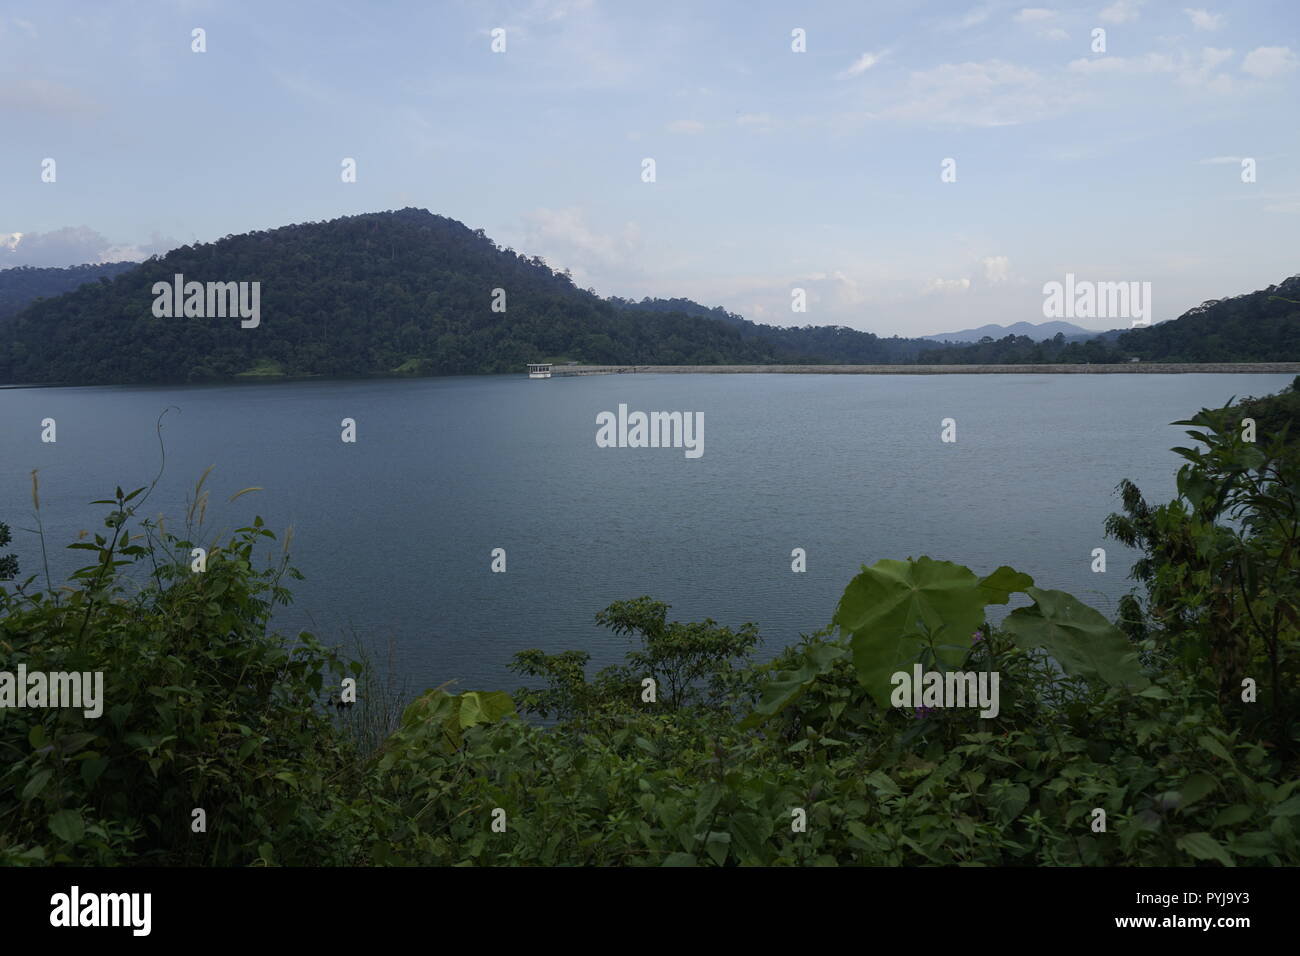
(395, 532)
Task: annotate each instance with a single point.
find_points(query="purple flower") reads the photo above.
(977, 637)
(922, 712)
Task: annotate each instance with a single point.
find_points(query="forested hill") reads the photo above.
(1261, 326)
(837, 344)
(409, 292)
(382, 293)
(824, 343)
(22, 285)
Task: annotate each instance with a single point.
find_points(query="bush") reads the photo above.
(203, 709)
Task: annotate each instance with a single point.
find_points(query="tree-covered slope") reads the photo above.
(404, 291)
(1262, 326)
(836, 344)
(22, 285)
(409, 292)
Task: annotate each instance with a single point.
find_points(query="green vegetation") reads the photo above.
(1179, 720)
(1276, 414)
(1022, 350)
(8, 563)
(263, 368)
(23, 285)
(1262, 326)
(410, 293)
(361, 295)
(201, 708)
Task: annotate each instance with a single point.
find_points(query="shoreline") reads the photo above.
(1127, 368)
(569, 371)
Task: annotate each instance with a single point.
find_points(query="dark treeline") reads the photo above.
(834, 344)
(412, 293)
(23, 285)
(1022, 350)
(403, 292)
(1259, 326)
(837, 344)
(1262, 326)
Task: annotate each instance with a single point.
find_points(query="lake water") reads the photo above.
(395, 532)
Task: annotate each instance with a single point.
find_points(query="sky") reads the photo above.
(774, 169)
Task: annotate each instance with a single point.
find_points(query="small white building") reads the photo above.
(539, 370)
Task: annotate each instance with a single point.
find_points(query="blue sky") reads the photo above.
(774, 169)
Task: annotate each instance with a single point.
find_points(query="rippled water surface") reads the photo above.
(394, 533)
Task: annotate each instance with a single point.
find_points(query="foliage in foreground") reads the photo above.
(1144, 719)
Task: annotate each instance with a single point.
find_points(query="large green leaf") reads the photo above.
(433, 706)
(1195, 787)
(1002, 583)
(788, 686)
(1202, 846)
(484, 707)
(68, 825)
(1077, 637)
(447, 715)
(889, 607)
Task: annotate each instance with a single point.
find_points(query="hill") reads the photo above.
(1038, 332)
(21, 286)
(404, 292)
(1257, 326)
(412, 293)
(836, 344)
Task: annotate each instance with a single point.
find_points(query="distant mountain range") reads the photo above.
(408, 292)
(1043, 330)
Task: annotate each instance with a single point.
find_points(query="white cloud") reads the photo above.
(862, 64)
(1269, 61)
(1189, 70)
(1211, 58)
(972, 18)
(993, 93)
(996, 269)
(1204, 20)
(1151, 63)
(564, 239)
(684, 126)
(576, 45)
(831, 291)
(549, 10)
(74, 245)
(945, 286)
(1041, 20)
(1220, 161)
(1121, 11)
